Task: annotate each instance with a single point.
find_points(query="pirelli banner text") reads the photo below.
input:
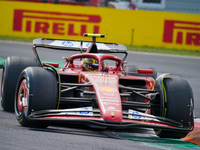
(130, 27)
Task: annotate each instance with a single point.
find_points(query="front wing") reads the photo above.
(92, 118)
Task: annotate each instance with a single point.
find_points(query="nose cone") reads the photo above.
(108, 97)
(110, 102)
(111, 115)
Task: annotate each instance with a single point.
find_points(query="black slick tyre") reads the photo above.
(13, 66)
(36, 90)
(178, 106)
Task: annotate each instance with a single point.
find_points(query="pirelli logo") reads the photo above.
(55, 23)
(181, 32)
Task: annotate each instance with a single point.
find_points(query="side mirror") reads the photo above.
(145, 71)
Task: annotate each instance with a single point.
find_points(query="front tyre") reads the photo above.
(177, 105)
(36, 90)
(13, 66)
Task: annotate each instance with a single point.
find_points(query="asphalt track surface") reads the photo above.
(15, 137)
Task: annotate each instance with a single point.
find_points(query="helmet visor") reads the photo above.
(93, 66)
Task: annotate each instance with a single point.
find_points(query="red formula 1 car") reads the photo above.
(95, 88)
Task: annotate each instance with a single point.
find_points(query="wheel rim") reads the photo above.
(22, 98)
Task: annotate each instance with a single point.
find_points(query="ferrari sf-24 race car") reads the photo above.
(95, 88)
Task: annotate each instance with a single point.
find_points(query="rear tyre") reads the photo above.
(13, 66)
(132, 70)
(36, 90)
(178, 105)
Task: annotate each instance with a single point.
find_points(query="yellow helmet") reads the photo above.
(90, 64)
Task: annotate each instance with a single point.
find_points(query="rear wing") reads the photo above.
(69, 45)
(76, 45)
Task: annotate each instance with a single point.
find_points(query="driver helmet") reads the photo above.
(90, 64)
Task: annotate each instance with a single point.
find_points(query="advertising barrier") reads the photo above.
(130, 27)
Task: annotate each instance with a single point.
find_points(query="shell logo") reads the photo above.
(107, 89)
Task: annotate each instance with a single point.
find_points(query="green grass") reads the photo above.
(131, 48)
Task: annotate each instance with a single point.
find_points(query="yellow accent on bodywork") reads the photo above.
(79, 78)
(94, 35)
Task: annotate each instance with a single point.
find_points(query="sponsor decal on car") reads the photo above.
(111, 108)
(105, 80)
(77, 44)
(107, 89)
(134, 114)
(67, 44)
(108, 94)
(111, 103)
(110, 100)
(85, 111)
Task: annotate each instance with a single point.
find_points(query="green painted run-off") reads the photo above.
(172, 144)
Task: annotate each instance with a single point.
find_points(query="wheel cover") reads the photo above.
(22, 97)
